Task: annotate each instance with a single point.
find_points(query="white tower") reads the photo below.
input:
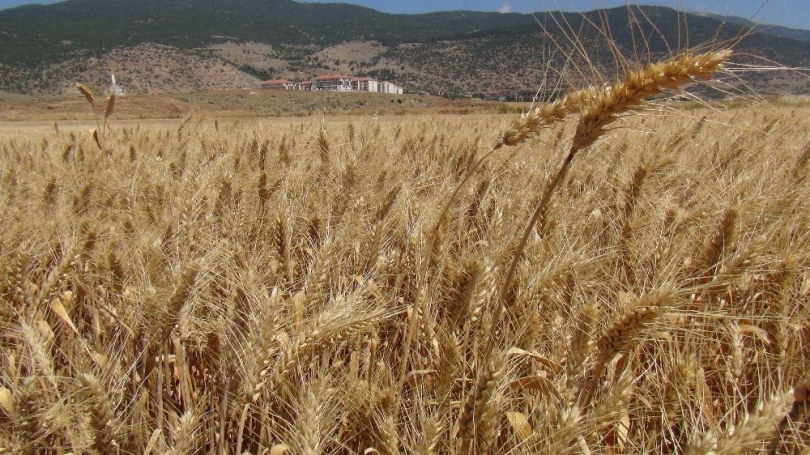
(115, 88)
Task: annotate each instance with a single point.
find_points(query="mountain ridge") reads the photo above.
(768, 29)
(450, 53)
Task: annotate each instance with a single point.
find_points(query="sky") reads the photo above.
(788, 13)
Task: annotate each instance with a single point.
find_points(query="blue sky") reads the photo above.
(789, 13)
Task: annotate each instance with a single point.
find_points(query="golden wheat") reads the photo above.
(232, 287)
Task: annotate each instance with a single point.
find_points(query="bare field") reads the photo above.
(291, 285)
(244, 104)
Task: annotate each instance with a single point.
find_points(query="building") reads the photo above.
(332, 82)
(365, 84)
(335, 83)
(279, 84)
(389, 87)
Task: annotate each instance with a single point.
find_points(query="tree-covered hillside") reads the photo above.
(448, 50)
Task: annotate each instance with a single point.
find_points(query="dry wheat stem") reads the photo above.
(538, 119)
(602, 107)
(88, 95)
(108, 110)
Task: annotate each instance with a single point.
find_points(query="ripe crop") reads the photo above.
(319, 287)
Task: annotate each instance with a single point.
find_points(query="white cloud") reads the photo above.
(505, 8)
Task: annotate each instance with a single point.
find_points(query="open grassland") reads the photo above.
(234, 286)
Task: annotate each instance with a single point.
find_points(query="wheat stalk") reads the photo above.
(601, 107)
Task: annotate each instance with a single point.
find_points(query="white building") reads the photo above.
(389, 87)
(335, 83)
(279, 84)
(115, 88)
(332, 82)
(365, 84)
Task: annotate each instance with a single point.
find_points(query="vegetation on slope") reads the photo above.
(449, 52)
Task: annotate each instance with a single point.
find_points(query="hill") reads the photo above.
(183, 45)
(768, 29)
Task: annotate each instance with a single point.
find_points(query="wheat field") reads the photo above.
(243, 286)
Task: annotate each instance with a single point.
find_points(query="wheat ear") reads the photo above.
(103, 420)
(798, 413)
(748, 435)
(179, 298)
(108, 109)
(88, 95)
(719, 244)
(474, 428)
(801, 162)
(623, 334)
(185, 433)
(432, 436)
(581, 341)
(603, 106)
(538, 119)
